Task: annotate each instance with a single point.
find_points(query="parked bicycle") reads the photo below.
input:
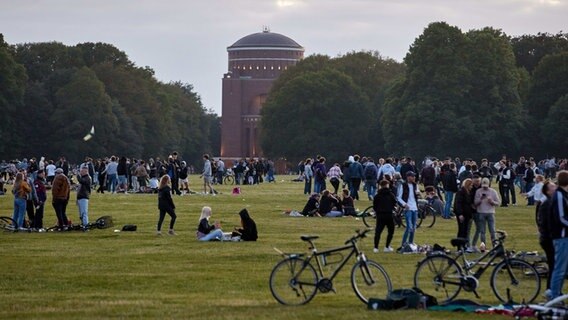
(295, 280)
(103, 222)
(426, 215)
(512, 280)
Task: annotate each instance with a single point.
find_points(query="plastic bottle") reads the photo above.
(482, 247)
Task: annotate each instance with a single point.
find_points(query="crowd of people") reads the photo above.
(465, 188)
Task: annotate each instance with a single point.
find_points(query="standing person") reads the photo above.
(320, 173)
(166, 205)
(32, 196)
(383, 204)
(205, 231)
(529, 179)
(20, 190)
(39, 186)
(111, 174)
(60, 197)
(83, 195)
(407, 196)
(334, 175)
(173, 170)
(450, 182)
(207, 175)
(559, 234)
(544, 231)
(102, 175)
(355, 176)
(485, 171)
(371, 173)
(476, 185)
(122, 172)
(463, 208)
(386, 169)
(486, 199)
(50, 170)
(141, 176)
(270, 171)
(308, 175)
(220, 171)
(184, 178)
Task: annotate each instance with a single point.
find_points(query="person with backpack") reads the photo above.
(356, 174)
(383, 205)
(407, 196)
(371, 173)
(320, 173)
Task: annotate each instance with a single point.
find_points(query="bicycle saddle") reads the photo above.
(308, 238)
(459, 242)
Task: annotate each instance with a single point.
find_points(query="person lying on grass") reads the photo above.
(205, 231)
(247, 231)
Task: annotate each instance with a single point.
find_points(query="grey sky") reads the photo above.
(186, 40)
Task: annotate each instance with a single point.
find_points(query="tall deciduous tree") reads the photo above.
(529, 49)
(316, 112)
(549, 82)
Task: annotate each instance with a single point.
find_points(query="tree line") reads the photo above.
(474, 94)
(51, 94)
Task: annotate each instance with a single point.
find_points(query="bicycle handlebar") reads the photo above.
(360, 235)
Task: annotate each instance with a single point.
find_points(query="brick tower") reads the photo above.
(255, 61)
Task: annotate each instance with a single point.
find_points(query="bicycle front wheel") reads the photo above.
(293, 282)
(370, 280)
(427, 217)
(230, 180)
(369, 217)
(440, 277)
(515, 282)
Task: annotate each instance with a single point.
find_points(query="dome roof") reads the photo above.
(266, 39)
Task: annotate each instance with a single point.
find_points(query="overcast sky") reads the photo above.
(187, 40)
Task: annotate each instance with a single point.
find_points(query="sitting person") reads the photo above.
(434, 200)
(329, 206)
(206, 232)
(312, 206)
(347, 204)
(247, 231)
(153, 185)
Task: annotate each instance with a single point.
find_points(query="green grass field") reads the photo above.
(103, 274)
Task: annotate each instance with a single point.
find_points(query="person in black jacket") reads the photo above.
(166, 204)
(463, 208)
(559, 234)
(383, 205)
(450, 182)
(542, 220)
(312, 206)
(83, 195)
(247, 231)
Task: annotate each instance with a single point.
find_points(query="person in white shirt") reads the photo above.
(407, 196)
(50, 169)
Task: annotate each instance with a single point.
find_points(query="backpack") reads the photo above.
(403, 299)
(370, 172)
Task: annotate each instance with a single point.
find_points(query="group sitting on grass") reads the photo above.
(207, 232)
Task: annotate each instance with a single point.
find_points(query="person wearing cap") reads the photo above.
(60, 197)
(485, 201)
(407, 196)
(83, 195)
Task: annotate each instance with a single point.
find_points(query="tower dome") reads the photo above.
(265, 39)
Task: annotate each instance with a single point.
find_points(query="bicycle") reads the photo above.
(512, 280)
(426, 215)
(8, 224)
(295, 280)
(103, 222)
(229, 177)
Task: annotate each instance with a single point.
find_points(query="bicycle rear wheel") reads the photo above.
(293, 282)
(440, 277)
(370, 280)
(427, 217)
(369, 217)
(515, 282)
(229, 180)
(7, 224)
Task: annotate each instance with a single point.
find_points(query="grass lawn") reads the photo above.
(103, 274)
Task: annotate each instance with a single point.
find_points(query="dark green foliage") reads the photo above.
(530, 49)
(71, 88)
(315, 111)
(555, 129)
(549, 82)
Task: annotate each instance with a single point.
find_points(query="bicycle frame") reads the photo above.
(494, 254)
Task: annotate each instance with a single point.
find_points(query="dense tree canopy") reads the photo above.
(531, 48)
(54, 93)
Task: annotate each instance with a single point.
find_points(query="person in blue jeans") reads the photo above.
(20, 190)
(450, 182)
(559, 234)
(407, 196)
(205, 231)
